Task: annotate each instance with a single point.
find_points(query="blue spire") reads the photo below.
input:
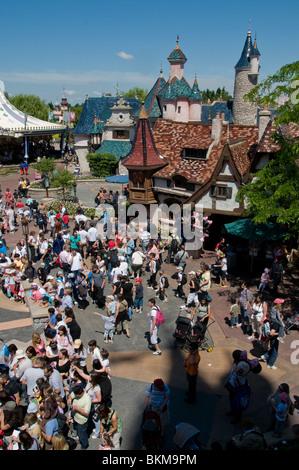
(244, 60)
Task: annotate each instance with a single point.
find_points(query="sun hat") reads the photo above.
(20, 354)
(192, 272)
(278, 301)
(32, 407)
(77, 343)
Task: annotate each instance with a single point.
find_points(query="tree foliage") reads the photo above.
(63, 179)
(32, 104)
(136, 92)
(272, 195)
(102, 164)
(283, 85)
(219, 95)
(46, 165)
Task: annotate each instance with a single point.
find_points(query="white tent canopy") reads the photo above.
(12, 120)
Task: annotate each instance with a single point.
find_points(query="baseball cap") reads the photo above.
(138, 279)
(278, 301)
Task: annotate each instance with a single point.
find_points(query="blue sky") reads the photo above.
(98, 46)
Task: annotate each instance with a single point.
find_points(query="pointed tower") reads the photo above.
(195, 102)
(246, 78)
(177, 60)
(142, 162)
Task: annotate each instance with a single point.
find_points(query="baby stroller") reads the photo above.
(291, 322)
(151, 431)
(186, 437)
(182, 332)
(187, 334)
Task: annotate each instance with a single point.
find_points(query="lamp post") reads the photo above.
(25, 230)
(75, 192)
(47, 184)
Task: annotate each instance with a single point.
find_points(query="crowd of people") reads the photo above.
(48, 395)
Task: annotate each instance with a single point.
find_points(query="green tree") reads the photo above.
(272, 195)
(32, 104)
(283, 84)
(219, 94)
(136, 92)
(46, 165)
(102, 164)
(63, 179)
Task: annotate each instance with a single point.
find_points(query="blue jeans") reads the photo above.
(82, 432)
(272, 354)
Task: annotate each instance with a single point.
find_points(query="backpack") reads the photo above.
(159, 317)
(196, 284)
(184, 279)
(166, 282)
(114, 259)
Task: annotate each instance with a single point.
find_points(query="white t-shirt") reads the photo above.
(43, 247)
(138, 258)
(76, 263)
(115, 272)
(83, 235)
(92, 234)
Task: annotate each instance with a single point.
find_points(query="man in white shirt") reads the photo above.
(83, 234)
(65, 257)
(137, 261)
(23, 363)
(76, 262)
(115, 272)
(92, 236)
(44, 253)
(31, 375)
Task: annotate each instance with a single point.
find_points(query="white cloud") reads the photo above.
(70, 92)
(124, 55)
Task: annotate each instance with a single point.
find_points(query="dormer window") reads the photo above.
(121, 134)
(194, 153)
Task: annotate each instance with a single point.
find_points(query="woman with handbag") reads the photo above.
(121, 316)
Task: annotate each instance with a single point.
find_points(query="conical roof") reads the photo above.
(177, 56)
(144, 154)
(244, 60)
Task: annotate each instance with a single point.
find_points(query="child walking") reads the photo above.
(265, 277)
(109, 319)
(234, 313)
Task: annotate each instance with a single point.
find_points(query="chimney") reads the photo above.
(264, 118)
(216, 129)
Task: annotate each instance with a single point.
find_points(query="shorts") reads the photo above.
(138, 302)
(154, 336)
(223, 274)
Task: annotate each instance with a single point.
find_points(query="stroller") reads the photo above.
(291, 322)
(186, 437)
(187, 334)
(151, 431)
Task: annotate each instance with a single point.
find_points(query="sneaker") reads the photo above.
(263, 357)
(94, 436)
(157, 353)
(272, 367)
(183, 307)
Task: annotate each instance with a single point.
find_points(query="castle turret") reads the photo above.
(177, 60)
(246, 78)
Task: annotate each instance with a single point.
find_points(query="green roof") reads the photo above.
(175, 88)
(119, 148)
(177, 56)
